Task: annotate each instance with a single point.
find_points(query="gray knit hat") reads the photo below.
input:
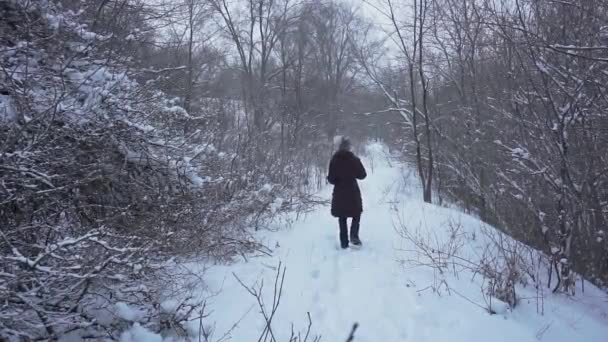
(344, 144)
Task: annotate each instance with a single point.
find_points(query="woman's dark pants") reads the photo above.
(354, 230)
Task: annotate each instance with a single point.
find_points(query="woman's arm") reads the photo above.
(331, 177)
(361, 174)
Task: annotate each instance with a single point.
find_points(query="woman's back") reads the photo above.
(344, 168)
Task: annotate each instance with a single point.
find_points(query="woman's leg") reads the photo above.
(343, 232)
(354, 230)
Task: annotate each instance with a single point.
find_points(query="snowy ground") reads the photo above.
(370, 286)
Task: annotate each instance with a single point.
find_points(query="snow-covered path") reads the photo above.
(369, 285)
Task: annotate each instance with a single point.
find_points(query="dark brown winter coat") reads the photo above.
(344, 170)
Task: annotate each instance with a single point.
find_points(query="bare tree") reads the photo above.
(410, 38)
(254, 32)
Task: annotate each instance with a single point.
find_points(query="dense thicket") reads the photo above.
(132, 132)
(505, 104)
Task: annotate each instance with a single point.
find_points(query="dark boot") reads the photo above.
(343, 232)
(354, 231)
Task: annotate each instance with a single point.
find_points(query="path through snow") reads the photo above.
(369, 286)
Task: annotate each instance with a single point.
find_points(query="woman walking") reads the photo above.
(344, 170)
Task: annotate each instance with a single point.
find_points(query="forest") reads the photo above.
(138, 133)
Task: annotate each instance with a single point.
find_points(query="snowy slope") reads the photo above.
(370, 286)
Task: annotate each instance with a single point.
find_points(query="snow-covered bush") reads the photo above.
(502, 262)
(104, 178)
